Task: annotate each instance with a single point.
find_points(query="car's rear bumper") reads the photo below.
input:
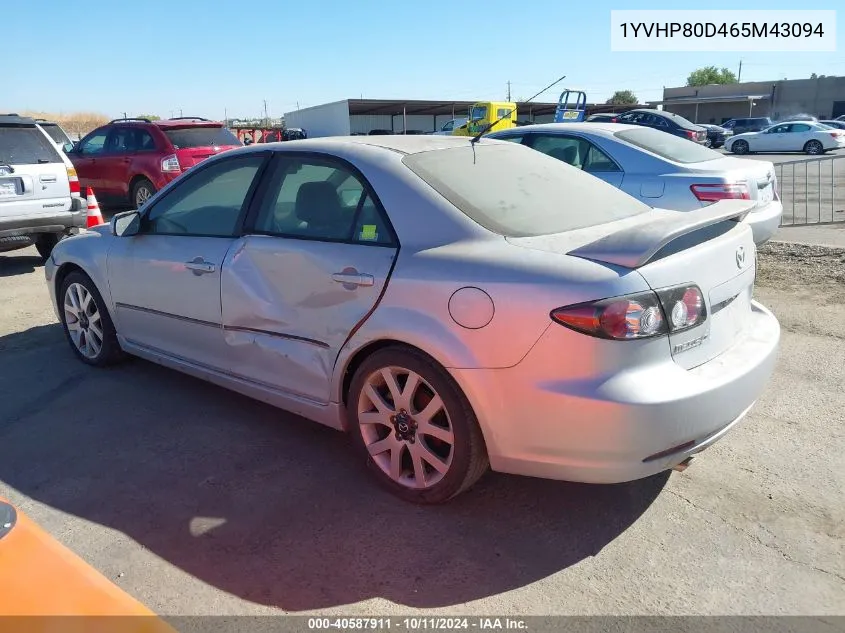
(764, 222)
(539, 420)
(16, 230)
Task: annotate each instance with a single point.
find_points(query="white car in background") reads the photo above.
(449, 126)
(804, 136)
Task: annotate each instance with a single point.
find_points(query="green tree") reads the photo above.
(711, 75)
(151, 117)
(623, 97)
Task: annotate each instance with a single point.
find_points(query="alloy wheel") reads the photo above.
(406, 427)
(83, 321)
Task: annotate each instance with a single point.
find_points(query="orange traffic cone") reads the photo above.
(95, 217)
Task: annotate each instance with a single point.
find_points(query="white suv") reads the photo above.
(40, 197)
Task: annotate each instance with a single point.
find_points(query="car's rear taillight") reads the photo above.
(170, 163)
(836, 135)
(690, 134)
(614, 120)
(638, 316)
(684, 307)
(73, 179)
(722, 191)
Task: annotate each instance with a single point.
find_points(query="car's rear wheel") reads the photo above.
(45, 242)
(708, 142)
(813, 147)
(739, 147)
(86, 321)
(141, 192)
(414, 426)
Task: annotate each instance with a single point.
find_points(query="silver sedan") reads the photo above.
(455, 306)
(660, 169)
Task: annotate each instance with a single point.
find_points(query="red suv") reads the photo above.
(128, 160)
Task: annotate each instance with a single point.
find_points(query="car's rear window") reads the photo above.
(669, 146)
(26, 145)
(55, 132)
(515, 191)
(200, 136)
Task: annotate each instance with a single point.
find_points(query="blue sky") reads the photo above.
(207, 58)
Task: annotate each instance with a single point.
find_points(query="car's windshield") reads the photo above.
(515, 191)
(55, 132)
(667, 146)
(478, 113)
(26, 145)
(200, 136)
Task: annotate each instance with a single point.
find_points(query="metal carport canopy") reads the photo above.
(411, 107)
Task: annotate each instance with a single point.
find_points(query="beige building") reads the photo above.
(823, 97)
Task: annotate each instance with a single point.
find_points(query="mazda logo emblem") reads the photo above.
(740, 257)
(403, 428)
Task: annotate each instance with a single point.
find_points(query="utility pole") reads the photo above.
(739, 76)
(509, 91)
(266, 119)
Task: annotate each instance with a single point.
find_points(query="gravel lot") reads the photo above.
(199, 501)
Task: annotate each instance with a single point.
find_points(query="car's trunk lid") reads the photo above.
(707, 247)
(190, 156)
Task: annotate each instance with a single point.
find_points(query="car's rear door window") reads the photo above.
(516, 191)
(200, 136)
(55, 132)
(26, 145)
(321, 199)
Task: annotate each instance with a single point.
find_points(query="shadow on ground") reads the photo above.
(12, 264)
(275, 509)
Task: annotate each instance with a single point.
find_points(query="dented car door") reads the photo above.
(318, 254)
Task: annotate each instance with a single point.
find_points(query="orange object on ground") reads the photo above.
(95, 216)
(41, 577)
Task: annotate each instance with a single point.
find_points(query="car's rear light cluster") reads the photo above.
(170, 163)
(638, 316)
(716, 192)
(836, 135)
(73, 179)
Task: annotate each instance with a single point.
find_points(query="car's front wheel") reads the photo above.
(414, 427)
(739, 147)
(814, 147)
(86, 321)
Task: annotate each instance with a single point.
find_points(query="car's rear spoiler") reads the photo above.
(635, 246)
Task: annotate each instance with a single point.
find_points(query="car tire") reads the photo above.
(141, 192)
(45, 243)
(815, 148)
(393, 439)
(708, 143)
(739, 147)
(78, 296)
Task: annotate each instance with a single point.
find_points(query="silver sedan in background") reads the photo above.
(660, 169)
(453, 305)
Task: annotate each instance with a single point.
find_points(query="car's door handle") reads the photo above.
(48, 178)
(354, 279)
(199, 266)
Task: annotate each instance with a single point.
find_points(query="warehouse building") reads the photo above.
(362, 116)
(823, 97)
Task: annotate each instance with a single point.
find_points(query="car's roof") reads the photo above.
(16, 120)
(187, 123)
(402, 143)
(604, 129)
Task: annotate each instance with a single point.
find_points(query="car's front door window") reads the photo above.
(94, 144)
(209, 203)
(120, 141)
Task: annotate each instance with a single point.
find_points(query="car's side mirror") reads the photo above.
(68, 147)
(126, 224)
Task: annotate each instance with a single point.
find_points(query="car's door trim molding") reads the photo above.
(178, 317)
(227, 328)
(291, 337)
